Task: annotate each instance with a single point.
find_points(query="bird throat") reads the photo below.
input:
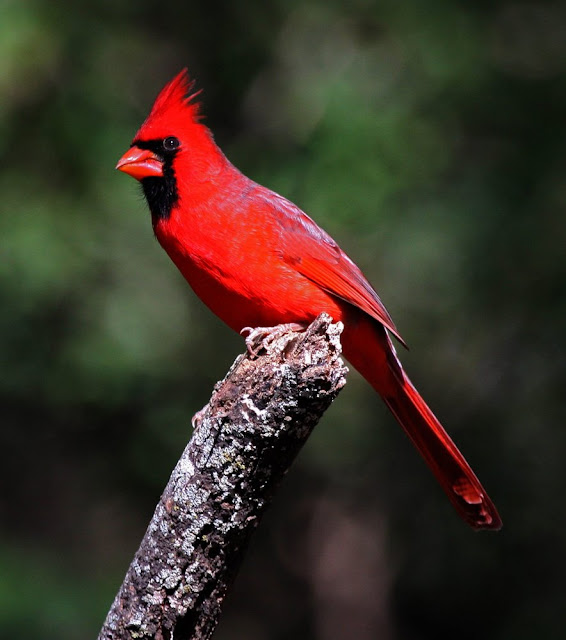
(161, 194)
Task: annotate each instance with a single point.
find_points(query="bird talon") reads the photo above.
(198, 417)
(259, 338)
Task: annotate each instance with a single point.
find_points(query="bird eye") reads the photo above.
(171, 143)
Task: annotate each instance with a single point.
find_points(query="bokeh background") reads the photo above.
(429, 139)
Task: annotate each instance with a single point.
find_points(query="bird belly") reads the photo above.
(258, 295)
(236, 268)
(271, 297)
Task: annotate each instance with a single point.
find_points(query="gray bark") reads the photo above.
(243, 443)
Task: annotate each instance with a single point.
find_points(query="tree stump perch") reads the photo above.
(244, 441)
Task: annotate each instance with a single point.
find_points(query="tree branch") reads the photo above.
(243, 443)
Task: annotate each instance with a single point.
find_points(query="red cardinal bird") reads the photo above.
(258, 261)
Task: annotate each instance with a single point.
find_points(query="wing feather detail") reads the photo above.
(315, 255)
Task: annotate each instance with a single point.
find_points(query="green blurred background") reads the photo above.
(429, 139)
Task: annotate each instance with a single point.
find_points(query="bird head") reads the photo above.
(173, 152)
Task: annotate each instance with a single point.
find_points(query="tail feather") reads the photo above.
(441, 454)
(368, 347)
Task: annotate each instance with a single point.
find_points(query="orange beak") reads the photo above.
(140, 163)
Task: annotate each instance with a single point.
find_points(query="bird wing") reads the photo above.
(315, 255)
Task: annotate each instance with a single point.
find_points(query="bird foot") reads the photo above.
(198, 417)
(259, 338)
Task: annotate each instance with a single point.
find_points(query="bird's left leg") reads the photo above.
(259, 338)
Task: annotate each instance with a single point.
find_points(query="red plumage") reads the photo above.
(257, 260)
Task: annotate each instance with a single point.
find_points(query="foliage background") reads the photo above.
(429, 138)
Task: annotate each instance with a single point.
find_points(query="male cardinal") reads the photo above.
(257, 260)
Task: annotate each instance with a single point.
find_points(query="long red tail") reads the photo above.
(441, 454)
(370, 350)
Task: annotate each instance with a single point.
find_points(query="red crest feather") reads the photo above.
(175, 93)
(174, 110)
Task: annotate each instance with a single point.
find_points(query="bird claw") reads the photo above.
(259, 338)
(198, 417)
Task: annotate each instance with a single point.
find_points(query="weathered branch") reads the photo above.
(244, 441)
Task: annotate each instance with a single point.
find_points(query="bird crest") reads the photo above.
(175, 108)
